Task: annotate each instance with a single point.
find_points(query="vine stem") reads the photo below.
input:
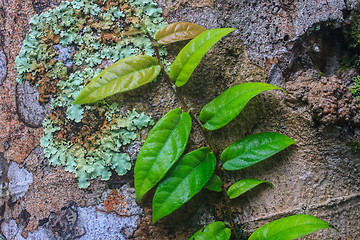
(219, 171)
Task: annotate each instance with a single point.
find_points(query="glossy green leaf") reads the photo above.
(253, 149)
(289, 228)
(124, 75)
(243, 186)
(191, 55)
(213, 231)
(163, 147)
(178, 31)
(224, 108)
(214, 184)
(185, 179)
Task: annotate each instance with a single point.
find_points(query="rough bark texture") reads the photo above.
(293, 44)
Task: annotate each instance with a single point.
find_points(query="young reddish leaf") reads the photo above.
(134, 31)
(124, 75)
(253, 149)
(163, 147)
(214, 184)
(289, 228)
(224, 108)
(178, 31)
(213, 231)
(243, 186)
(191, 55)
(185, 179)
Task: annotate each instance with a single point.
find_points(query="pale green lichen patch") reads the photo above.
(92, 153)
(65, 48)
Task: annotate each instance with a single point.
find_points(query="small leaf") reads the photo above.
(213, 231)
(243, 186)
(124, 75)
(178, 31)
(214, 184)
(134, 31)
(224, 108)
(289, 228)
(191, 55)
(253, 149)
(188, 176)
(163, 147)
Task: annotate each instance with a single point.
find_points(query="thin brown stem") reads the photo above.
(205, 132)
(227, 202)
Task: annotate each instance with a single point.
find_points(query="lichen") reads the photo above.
(65, 48)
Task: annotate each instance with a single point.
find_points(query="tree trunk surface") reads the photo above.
(297, 45)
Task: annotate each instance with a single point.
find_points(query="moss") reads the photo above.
(353, 60)
(355, 29)
(352, 36)
(355, 146)
(65, 48)
(355, 90)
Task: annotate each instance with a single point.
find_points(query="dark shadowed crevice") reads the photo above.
(24, 218)
(322, 50)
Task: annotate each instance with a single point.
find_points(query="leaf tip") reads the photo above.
(333, 227)
(138, 198)
(292, 141)
(155, 216)
(270, 184)
(284, 91)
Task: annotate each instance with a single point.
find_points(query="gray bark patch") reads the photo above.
(30, 111)
(3, 66)
(19, 180)
(12, 231)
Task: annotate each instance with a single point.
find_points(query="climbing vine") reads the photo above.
(161, 162)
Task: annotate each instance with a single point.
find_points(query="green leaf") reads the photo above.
(213, 231)
(224, 108)
(124, 75)
(191, 55)
(253, 149)
(214, 184)
(163, 147)
(188, 176)
(178, 31)
(243, 186)
(289, 228)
